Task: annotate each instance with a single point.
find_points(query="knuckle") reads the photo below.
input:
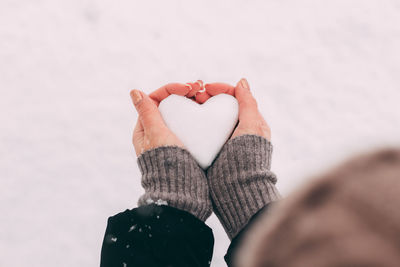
(252, 99)
(253, 102)
(249, 102)
(260, 127)
(145, 111)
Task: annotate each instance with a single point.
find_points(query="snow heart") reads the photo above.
(203, 129)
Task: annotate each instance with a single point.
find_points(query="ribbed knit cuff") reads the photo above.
(171, 176)
(241, 182)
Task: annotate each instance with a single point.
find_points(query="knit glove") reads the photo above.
(171, 176)
(241, 182)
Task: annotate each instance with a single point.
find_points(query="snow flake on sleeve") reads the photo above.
(111, 239)
(149, 201)
(133, 227)
(161, 202)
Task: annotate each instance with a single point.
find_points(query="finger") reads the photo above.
(169, 89)
(138, 127)
(196, 87)
(148, 112)
(202, 97)
(219, 88)
(247, 103)
(138, 135)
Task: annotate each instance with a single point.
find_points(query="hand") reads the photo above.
(194, 91)
(151, 131)
(250, 119)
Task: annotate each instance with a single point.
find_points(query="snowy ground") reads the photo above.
(326, 74)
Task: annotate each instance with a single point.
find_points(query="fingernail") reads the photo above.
(188, 86)
(203, 89)
(136, 97)
(245, 84)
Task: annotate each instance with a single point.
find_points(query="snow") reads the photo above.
(161, 202)
(203, 129)
(149, 201)
(133, 227)
(325, 73)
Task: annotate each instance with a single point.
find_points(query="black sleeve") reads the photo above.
(230, 254)
(154, 235)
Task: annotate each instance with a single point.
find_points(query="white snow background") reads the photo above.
(326, 75)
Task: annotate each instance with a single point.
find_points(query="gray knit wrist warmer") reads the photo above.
(241, 182)
(171, 176)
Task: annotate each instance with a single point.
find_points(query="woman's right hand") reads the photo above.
(251, 122)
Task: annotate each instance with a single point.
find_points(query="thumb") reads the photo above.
(147, 110)
(247, 103)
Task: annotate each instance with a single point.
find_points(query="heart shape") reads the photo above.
(203, 129)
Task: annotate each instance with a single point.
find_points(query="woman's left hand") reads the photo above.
(150, 131)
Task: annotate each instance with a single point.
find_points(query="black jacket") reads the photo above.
(159, 235)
